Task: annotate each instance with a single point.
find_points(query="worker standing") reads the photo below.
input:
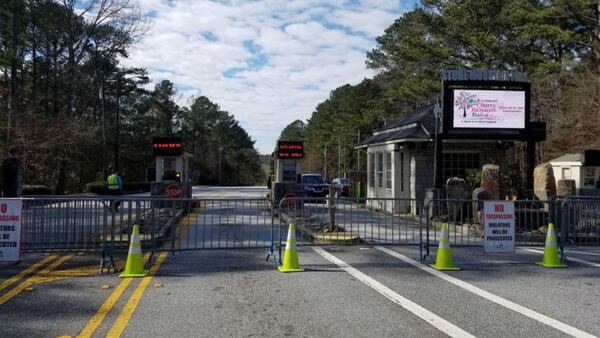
(114, 185)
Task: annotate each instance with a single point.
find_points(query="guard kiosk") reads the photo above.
(172, 168)
(288, 170)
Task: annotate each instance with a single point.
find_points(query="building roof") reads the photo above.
(577, 157)
(417, 125)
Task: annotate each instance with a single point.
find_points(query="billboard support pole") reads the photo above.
(530, 162)
(438, 152)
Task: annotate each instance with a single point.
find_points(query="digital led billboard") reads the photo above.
(290, 150)
(497, 110)
(167, 146)
(488, 109)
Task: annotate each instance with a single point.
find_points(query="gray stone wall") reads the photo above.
(422, 176)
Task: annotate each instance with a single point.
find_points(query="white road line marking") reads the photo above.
(573, 331)
(569, 258)
(584, 253)
(428, 316)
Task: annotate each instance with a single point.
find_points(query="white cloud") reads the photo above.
(300, 51)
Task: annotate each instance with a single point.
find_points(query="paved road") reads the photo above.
(229, 192)
(357, 291)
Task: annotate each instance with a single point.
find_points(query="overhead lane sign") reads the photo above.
(10, 229)
(499, 226)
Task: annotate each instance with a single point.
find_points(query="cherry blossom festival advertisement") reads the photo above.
(492, 109)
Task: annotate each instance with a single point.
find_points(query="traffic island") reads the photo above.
(317, 229)
(335, 237)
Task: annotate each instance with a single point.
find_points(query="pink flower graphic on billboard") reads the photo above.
(465, 101)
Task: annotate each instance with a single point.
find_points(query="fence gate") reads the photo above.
(104, 224)
(347, 221)
(580, 220)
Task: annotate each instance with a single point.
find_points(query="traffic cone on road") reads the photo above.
(443, 260)
(290, 256)
(551, 258)
(135, 262)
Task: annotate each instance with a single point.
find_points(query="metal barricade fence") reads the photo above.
(347, 221)
(466, 224)
(580, 220)
(97, 224)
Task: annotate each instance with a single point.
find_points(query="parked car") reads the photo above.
(314, 185)
(342, 186)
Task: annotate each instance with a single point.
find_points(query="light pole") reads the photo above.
(358, 150)
(117, 80)
(339, 158)
(117, 118)
(117, 126)
(325, 160)
(104, 143)
(220, 152)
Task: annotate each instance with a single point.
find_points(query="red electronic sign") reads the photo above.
(167, 146)
(290, 150)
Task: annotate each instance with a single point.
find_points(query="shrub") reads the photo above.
(98, 187)
(30, 189)
(130, 187)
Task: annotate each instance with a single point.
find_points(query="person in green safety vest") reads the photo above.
(114, 187)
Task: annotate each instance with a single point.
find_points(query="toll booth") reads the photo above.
(172, 175)
(288, 171)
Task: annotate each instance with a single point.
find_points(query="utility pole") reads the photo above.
(358, 150)
(104, 147)
(325, 160)
(339, 174)
(220, 152)
(117, 127)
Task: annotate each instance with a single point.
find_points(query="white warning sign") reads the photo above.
(499, 226)
(10, 229)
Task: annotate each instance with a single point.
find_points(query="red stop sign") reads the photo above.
(174, 191)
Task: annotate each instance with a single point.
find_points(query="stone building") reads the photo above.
(401, 159)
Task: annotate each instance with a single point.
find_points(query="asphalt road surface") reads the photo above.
(346, 291)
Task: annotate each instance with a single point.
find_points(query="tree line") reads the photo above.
(70, 108)
(556, 42)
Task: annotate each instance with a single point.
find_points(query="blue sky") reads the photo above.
(266, 62)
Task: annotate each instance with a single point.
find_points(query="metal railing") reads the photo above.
(466, 224)
(347, 221)
(104, 224)
(579, 217)
(96, 224)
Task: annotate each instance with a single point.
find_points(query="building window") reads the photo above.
(401, 171)
(566, 173)
(589, 177)
(379, 170)
(460, 164)
(388, 170)
(371, 170)
(168, 163)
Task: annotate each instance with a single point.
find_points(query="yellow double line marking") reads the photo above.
(37, 278)
(184, 227)
(125, 315)
(25, 272)
(105, 308)
(127, 312)
(121, 323)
